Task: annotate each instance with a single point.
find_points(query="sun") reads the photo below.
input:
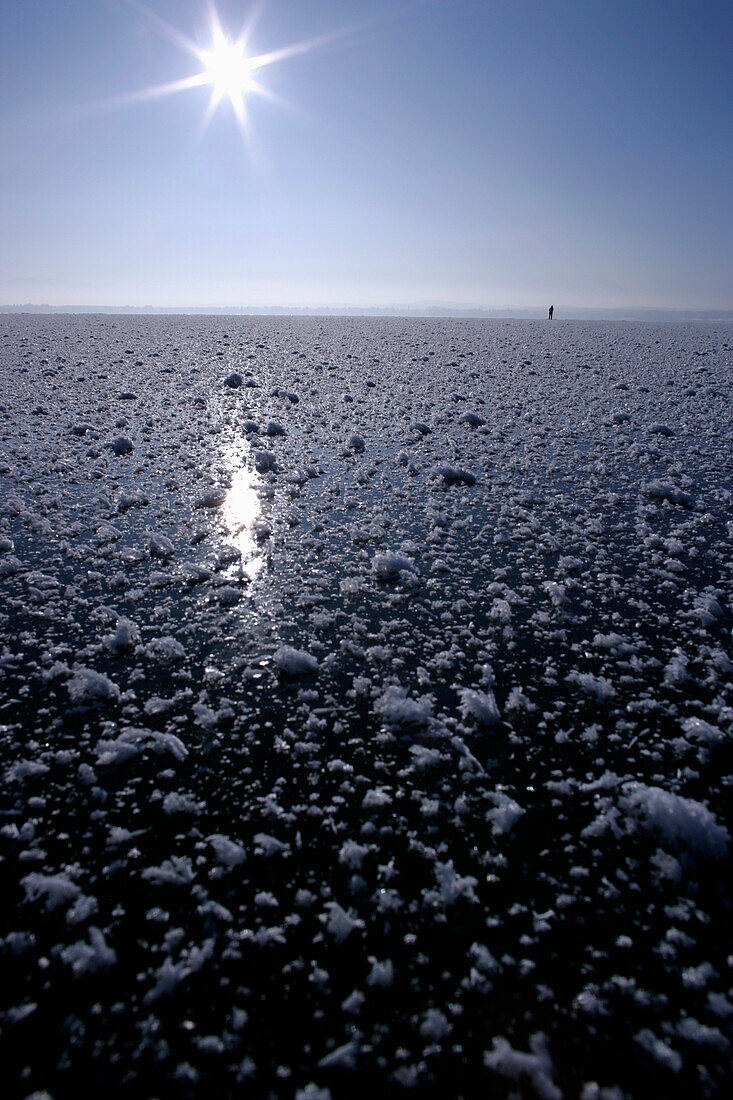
(228, 70)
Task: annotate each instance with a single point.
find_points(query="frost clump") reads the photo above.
(707, 610)
(479, 705)
(701, 730)
(452, 885)
(472, 419)
(211, 498)
(169, 975)
(434, 1025)
(505, 814)
(269, 846)
(455, 475)
(517, 701)
(399, 712)
(614, 644)
(131, 742)
(165, 649)
(88, 958)
(53, 890)
(598, 686)
(338, 922)
(381, 973)
(23, 769)
(352, 854)
(133, 499)
(295, 662)
(665, 490)
(161, 546)
(10, 566)
(176, 803)
(56, 891)
(176, 871)
(661, 1051)
(313, 1092)
(264, 460)
(121, 445)
(536, 1065)
(226, 851)
(126, 634)
(679, 820)
(88, 686)
(676, 669)
(393, 566)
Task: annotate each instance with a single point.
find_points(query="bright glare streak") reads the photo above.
(240, 513)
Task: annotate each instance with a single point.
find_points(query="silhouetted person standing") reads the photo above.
(550, 312)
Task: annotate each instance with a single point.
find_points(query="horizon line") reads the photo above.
(417, 310)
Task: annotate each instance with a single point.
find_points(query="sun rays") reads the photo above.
(226, 64)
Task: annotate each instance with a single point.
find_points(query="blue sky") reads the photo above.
(465, 152)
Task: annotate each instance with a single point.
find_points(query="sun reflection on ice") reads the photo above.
(240, 512)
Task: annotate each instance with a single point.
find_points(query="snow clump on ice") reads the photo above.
(479, 705)
(88, 686)
(296, 662)
(677, 819)
(391, 565)
(401, 712)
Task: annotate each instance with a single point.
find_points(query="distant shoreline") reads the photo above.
(429, 312)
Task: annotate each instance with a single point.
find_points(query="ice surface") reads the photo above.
(366, 707)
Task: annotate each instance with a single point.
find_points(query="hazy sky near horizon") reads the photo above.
(484, 152)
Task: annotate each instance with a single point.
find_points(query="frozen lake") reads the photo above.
(366, 707)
